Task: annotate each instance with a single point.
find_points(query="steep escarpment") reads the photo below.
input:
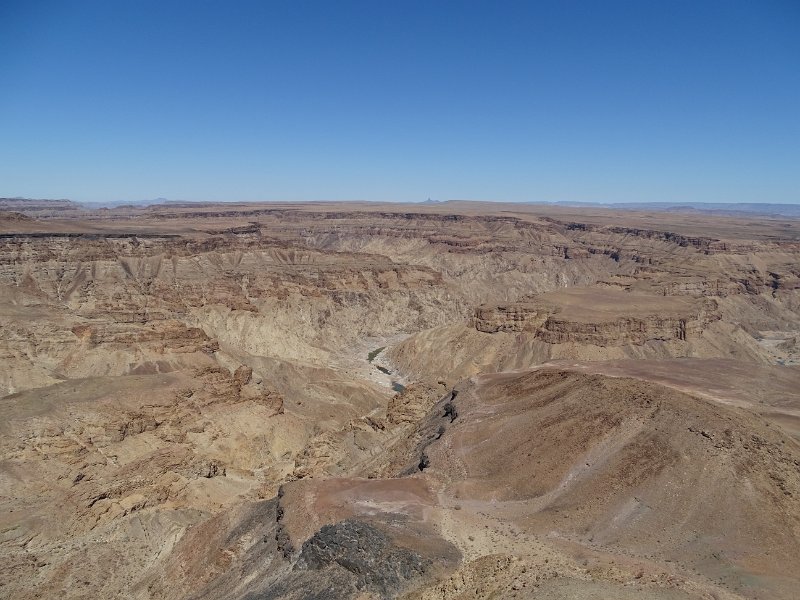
(114, 303)
(602, 317)
(667, 260)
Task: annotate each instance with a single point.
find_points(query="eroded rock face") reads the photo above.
(618, 332)
(516, 317)
(608, 319)
(188, 411)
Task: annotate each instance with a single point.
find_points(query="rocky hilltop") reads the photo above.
(601, 317)
(357, 400)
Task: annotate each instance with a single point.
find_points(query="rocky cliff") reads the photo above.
(598, 317)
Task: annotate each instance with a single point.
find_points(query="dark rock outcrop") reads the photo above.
(371, 557)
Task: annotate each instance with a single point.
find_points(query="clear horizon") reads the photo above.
(520, 102)
(154, 201)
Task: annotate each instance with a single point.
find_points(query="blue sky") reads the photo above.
(530, 101)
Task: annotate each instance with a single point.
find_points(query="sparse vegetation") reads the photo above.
(371, 356)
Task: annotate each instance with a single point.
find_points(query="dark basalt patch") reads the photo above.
(366, 552)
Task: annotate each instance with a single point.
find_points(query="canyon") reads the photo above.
(372, 400)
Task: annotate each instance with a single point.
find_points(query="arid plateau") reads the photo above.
(441, 401)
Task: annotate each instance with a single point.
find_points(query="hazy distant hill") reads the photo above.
(721, 208)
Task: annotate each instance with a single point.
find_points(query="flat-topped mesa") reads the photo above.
(619, 332)
(512, 317)
(602, 317)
